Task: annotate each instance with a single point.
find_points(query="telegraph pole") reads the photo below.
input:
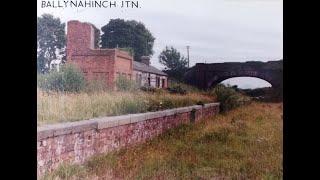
(188, 56)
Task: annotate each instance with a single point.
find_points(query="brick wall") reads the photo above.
(102, 64)
(74, 142)
(124, 64)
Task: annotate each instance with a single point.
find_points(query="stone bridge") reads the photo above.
(205, 76)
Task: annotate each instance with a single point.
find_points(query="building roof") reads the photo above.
(145, 68)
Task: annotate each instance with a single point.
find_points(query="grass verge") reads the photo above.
(55, 107)
(244, 143)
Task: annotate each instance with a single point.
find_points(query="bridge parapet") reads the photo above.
(205, 76)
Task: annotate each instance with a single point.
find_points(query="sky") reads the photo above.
(215, 30)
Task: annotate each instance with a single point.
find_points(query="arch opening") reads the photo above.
(246, 82)
(254, 87)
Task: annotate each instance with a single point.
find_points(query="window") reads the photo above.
(140, 79)
(163, 83)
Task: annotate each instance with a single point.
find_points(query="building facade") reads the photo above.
(146, 75)
(107, 64)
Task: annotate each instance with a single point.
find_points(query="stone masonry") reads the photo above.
(74, 142)
(99, 64)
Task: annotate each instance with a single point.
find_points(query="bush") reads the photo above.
(69, 79)
(177, 89)
(124, 84)
(188, 88)
(51, 81)
(148, 89)
(228, 97)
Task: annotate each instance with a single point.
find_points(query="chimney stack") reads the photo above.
(145, 60)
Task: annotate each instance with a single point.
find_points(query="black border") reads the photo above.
(19, 79)
(19, 126)
(299, 130)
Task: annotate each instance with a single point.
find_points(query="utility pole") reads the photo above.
(188, 56)
(147, 43)
(146, 48)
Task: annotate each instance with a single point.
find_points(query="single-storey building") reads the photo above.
(108, 64)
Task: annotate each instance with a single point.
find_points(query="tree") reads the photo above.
(175, 64)
(128, 34)
(51, 40)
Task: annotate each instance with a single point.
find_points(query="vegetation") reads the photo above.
(68, 79)
(50, 41)
(96, 85)
(228, 97)
(131, 35)
(245, 143)
(267, 94)
(185, 87)
(65, 96)
(148, 89)
(125, 84)
(177, 89)
(54, 107)
(175, 64)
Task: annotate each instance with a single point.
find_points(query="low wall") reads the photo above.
(74, 142)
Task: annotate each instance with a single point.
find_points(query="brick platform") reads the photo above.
(74, 142)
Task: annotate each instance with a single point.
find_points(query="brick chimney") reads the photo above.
(145, 60)
(81, 37)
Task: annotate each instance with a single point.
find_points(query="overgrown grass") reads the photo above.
(54, 107)
(244, 143)
(173, 84)
(228, 97)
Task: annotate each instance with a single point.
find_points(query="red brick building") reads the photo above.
(107, 64)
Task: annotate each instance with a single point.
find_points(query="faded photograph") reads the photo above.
(160, 89)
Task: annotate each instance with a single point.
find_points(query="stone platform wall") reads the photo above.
(74, 142)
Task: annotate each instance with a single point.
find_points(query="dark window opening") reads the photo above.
(140, 79)
(158, 82)
(163, 81)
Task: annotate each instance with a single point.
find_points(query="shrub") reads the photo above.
(124, 84)
(73, 78)
(228, 97)
(187, 87)
(69, 78)
(177, 89)
(148, 89)
(51, 81)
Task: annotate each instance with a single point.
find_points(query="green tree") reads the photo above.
(51, 39)
(175, 64)
(128, 34)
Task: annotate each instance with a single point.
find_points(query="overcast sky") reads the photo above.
(215, 30)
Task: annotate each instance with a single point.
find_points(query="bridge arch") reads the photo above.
(245, 82)
(206, 76)
(216, 79)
